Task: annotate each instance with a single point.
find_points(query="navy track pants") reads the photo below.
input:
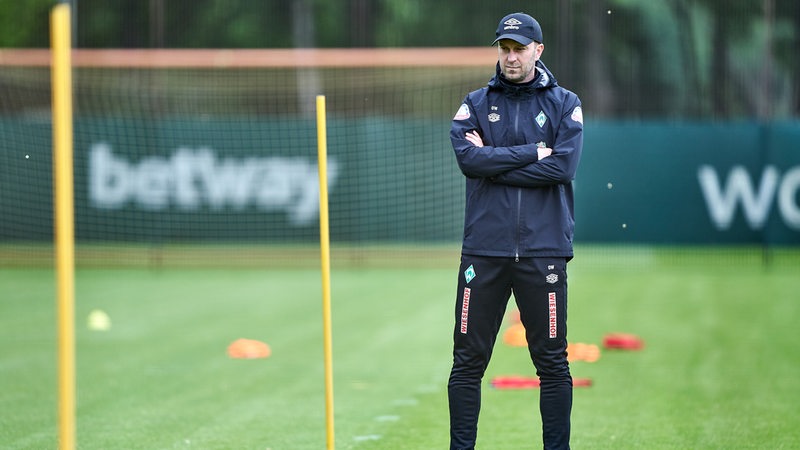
(485, 285)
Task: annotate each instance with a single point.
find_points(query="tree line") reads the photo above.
(695, 59)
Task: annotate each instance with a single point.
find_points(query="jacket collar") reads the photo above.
(544, 79)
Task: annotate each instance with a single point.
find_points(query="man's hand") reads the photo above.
(544, 152)
(475, 139)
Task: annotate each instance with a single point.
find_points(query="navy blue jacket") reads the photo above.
(516, 205)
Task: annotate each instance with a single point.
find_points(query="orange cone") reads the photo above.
(248, 349)
(583, 352)
(515, 336)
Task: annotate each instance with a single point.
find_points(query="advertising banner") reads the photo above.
(146, 180)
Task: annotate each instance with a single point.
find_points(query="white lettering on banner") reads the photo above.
(787, 198)
(192, 179)
(756, 204)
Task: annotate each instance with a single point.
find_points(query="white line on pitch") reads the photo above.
(387, 418)
(367, 437)
(406, 402)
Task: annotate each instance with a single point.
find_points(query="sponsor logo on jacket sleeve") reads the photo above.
(462, 113)
(577, 115)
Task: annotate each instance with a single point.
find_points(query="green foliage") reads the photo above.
(718, 370)
(631, 58)
(25, 23)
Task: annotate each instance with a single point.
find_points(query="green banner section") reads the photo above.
(690, 183)
(246, 179)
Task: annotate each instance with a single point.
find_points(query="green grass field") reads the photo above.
(720, 369)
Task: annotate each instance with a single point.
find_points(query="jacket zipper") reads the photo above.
(519, 195)
(519, 216)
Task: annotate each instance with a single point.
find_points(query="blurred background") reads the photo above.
(678, 58)
(691, 111)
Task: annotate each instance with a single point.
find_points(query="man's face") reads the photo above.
(517, 61)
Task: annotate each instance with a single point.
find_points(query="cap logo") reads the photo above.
(512, 24)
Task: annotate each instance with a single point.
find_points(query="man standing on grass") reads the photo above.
(518, 142)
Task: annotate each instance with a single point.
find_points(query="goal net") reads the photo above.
(209, 157)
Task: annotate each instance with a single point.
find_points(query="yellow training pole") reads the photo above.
(61, 78)
(325, 246)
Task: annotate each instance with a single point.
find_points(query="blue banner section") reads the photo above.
(145, 180)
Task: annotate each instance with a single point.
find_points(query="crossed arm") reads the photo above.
(519, 165)
(475, 139)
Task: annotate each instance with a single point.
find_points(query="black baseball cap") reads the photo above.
(519, 27)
